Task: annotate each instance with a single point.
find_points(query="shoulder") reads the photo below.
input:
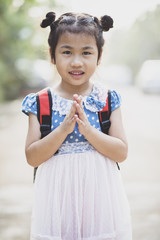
(115, 100)
(29, 104)
(97, 99)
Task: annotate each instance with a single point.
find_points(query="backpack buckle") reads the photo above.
(45, 130)
(105, 125)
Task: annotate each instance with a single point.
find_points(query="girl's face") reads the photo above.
(76, 58)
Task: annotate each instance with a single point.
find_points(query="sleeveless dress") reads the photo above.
(78, 192)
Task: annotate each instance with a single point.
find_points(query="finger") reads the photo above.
(78, 98)
(72, 110)
(80, 101)
(74, 119)
(75, 96)
(80, 122)
(75, 116)
(80, 111)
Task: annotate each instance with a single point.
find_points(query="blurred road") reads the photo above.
(140, 172)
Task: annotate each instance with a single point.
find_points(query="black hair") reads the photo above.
(76, 23)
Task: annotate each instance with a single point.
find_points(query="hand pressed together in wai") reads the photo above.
(76, 114)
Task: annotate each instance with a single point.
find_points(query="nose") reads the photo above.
(76, 61)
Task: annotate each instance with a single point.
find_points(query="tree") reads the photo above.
(17, 31)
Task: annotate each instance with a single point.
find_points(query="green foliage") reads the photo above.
(141, 42)
(17, 31)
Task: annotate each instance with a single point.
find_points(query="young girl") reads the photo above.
(78, 191)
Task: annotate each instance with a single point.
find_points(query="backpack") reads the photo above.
(44, 114)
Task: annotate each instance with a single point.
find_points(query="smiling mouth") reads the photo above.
(76, 73)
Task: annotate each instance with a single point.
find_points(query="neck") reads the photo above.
(66, 90)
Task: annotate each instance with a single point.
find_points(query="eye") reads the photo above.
(67, 52)
(86, 53)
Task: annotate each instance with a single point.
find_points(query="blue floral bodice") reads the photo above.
(75, 142)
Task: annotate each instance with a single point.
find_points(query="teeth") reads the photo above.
(76, 73)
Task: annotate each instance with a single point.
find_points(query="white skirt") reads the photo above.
(80, 196)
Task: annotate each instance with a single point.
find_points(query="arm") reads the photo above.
(114, 145)
(40, 150)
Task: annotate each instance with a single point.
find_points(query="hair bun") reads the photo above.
(50, 18)
(106, 23)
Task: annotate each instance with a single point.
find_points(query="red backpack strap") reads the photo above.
(44, 111)
(104, 115)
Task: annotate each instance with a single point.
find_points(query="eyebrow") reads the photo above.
(69, 47)
(87, 47)
(66, 46)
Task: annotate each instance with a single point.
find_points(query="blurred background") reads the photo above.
(131, 65)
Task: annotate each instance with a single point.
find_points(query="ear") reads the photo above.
(100, 57)
(52, 59)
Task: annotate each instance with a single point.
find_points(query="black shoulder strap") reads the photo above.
(109, 103)
(44, 113)
(104, 117)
